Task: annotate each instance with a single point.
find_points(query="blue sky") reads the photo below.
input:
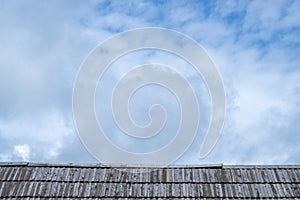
(255, 45)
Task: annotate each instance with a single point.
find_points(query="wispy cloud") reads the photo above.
(254, 44)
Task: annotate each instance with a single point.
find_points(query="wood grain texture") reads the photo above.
(50, 181)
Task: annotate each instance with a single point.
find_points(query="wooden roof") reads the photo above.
(52, 181)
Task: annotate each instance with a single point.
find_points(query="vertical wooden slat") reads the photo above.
(87, 190)
(12, 174)
(3, 186)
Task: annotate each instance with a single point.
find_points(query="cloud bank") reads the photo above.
(254, 44)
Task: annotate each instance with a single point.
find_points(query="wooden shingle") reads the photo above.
(92, 181)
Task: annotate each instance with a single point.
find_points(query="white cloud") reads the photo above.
(22, 151)
(268, 21)
(45, 134)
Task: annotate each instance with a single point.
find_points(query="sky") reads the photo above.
(254, 44)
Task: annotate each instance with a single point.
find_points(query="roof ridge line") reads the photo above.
(100, 165)
(32, 164)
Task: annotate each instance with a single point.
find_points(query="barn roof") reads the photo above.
(32, 180)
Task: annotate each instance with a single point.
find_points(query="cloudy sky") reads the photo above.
(254, 44)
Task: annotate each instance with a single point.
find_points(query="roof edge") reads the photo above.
(263, 166)
(99, 165)
(88, 165)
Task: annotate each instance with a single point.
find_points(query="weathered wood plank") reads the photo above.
(55, 181)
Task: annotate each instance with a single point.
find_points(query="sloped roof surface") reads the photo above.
(97, 181)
